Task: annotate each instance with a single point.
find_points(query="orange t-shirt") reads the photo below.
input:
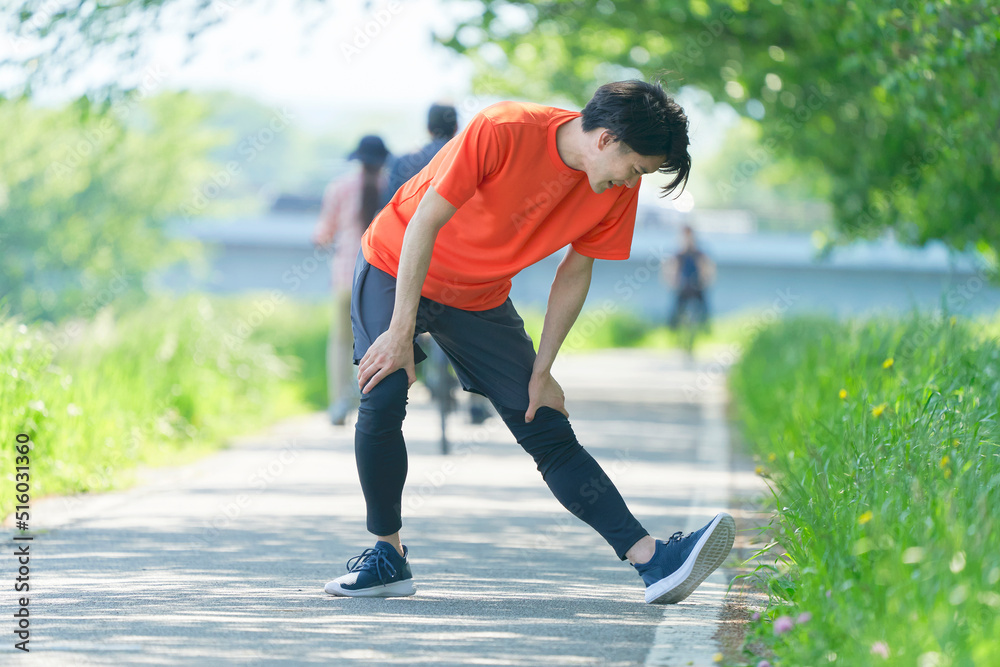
(517, 203)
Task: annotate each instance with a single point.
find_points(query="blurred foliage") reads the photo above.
(265, 152)
(84, 193)
(52, 40)
(782, 193)
(298, 333)
(893, 100)
(162, 382)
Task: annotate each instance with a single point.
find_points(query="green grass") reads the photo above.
(598, 330)
(881, 444)
(164, 383)
(296, 331)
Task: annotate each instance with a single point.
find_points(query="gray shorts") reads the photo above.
(489, 349)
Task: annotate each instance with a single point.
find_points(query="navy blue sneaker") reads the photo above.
(377, 573)
(680, 564)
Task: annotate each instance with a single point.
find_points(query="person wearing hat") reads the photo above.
(522, 181)
(349, 205)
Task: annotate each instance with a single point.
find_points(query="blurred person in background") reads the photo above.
(442, 124)
(689, 273)
(349, 205)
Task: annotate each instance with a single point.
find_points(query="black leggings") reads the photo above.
(574, 477)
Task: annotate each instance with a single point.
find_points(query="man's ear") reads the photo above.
(605, 140)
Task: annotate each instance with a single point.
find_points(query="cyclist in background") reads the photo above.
(442, 124)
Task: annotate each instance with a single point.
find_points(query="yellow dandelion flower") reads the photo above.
(879, 409)
(888, 363)
(865, 518)
(944, 461)
(759, 470)
(717, 657)
(843, 393)
(772, 457)
(954, 443)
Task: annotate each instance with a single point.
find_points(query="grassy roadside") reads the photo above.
(175, 378)
(597, 330)
(881, 442)
(162, 384)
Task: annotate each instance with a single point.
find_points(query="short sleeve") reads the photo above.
(466, 161)
(611, 238)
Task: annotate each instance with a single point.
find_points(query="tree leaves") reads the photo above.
(895, 100)
(87, 191)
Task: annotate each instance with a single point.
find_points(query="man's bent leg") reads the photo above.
(574, 476)
(383, 570)
(381, 452)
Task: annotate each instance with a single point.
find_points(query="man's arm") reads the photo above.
(569, 291)
(394, 348)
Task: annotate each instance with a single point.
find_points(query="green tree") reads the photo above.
(84, 193)
(784, 194)
(896, 100)
(50, 41)
(269, 154)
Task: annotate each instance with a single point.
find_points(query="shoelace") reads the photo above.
(373, 559)
(677, 537)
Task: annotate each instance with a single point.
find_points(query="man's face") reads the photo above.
(617, 165)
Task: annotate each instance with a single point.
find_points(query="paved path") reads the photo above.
(223, 562)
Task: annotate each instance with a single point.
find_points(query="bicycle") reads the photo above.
(441, 382)
(687, 330)
(689, 318)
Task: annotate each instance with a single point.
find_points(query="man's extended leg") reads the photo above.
(493, 355)
(574, 476)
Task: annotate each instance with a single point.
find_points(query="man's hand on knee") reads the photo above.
(387, 354)
(544, 390)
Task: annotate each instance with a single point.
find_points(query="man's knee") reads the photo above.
(383, 408)
(549, 438)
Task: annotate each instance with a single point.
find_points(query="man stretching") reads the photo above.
(519, 183)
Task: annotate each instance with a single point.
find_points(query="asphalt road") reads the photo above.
(223, 562)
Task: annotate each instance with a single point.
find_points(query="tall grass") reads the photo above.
(880, 441)
(597, 330)
(159, 384)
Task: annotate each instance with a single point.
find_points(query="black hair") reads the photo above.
(442, 121)
(369, 194)
(643, 117)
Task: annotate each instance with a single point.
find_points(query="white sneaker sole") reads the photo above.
(397, 589)
(707, 555)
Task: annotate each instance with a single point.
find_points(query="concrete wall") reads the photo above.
(754, 272)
